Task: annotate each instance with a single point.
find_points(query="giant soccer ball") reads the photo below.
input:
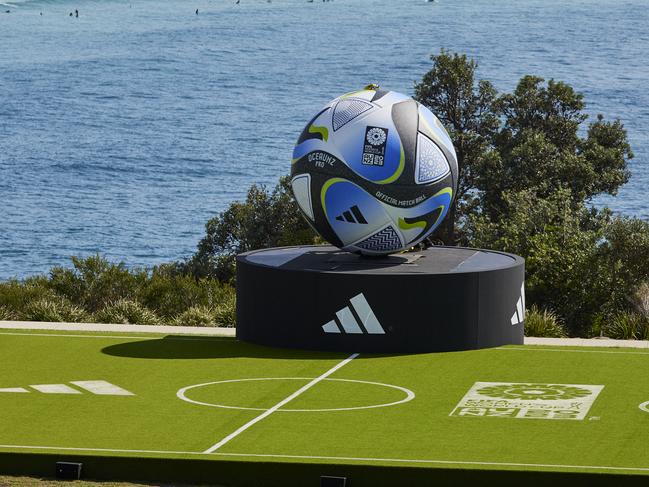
(374, 172)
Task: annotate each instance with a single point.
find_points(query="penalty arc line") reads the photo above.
(277, 406)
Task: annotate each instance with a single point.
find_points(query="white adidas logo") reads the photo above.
(519, 314)
(350, 324)
(99, 387)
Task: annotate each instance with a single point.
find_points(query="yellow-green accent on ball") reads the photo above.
(316, 129)
(353, 93)
(409, 226)
(448, 191)
(397, 173)
(323, 192)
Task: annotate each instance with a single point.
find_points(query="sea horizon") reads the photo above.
(123, 130)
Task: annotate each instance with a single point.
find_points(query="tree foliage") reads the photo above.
(528, 140)
(466, 107)
(530, 165)
(264, 219)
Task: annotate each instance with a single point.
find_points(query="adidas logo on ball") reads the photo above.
(353, 215)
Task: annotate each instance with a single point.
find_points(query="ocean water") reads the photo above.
(124, 130)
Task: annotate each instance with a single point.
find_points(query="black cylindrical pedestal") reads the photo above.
(439, 299)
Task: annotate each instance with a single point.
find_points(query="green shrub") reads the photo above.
(56, 309)
(640, 299)
(195, 316)
(112, 293)
(15, 295)
(172, 295)
(628, 325)
(93, 282)
(543, 323)
(125, 311)
(226, 314)
(6, 314)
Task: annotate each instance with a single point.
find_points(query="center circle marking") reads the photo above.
(409, 395)
(644, 407)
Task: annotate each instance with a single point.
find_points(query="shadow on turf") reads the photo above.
(187, 347)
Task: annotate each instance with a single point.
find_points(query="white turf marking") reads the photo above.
(409, 395)
(270, 411)
(14, 389)
(347, 459)
(644, 407)
(539, 349)
(119, 337)
(55, 389)
(101, 387)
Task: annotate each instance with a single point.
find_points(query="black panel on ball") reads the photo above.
(439, 299)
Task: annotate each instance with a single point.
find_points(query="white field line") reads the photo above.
(101, 387)
(181, 394)
(283, 402)
(206, 337)
(539, 349)
(54, 389)
(344, 459)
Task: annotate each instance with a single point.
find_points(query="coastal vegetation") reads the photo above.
(531, 163)
(96, 290)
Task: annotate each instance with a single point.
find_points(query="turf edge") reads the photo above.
(288, 474)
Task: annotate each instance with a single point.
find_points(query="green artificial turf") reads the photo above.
(420, 433)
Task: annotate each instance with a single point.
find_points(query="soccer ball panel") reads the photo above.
(386, 240)
(431, 163)
(418, 222)
(301, 186)
(371, 147)
(352, 212)
(347, 110)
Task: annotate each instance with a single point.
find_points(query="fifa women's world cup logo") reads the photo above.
(374, 148)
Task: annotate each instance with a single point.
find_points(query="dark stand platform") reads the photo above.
(439, 299)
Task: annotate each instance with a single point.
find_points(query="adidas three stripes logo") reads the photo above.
(353, 215)
(519, 313)
(357, 318)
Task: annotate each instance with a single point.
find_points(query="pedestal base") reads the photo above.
(439, 299)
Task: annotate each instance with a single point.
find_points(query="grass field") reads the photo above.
(135, 406)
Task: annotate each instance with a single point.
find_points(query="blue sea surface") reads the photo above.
(124, 130)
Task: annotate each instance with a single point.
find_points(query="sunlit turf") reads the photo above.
(383, 410)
